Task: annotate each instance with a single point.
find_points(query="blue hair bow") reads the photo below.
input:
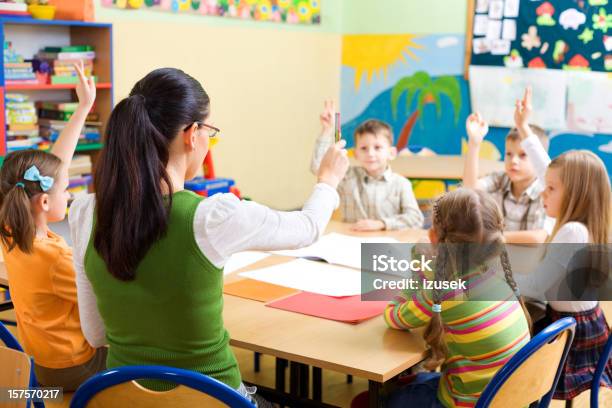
(32, 174)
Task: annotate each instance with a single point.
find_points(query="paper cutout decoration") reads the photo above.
(561, 48)
(545, 13)
(514, 60)
(602, 21)
(608, 62)
(571, 19)
(348, 309)
(607, 40)
(586, 36)
(577, 62)
(256, 290)
(544, 48)
(537, 62)
(531, 39)
(598, 2)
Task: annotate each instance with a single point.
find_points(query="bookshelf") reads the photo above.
(29, 36)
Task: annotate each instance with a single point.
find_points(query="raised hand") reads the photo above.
(476, 127)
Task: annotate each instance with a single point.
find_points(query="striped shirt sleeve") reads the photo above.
(408, 311)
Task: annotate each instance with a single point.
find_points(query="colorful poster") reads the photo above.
(494, 91)
(589, 102)
(282, 11)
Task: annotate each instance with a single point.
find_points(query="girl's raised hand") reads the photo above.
(86, 88)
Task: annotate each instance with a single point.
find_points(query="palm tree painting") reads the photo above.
(425, 90)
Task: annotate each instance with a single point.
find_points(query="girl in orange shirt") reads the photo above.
(33, 193)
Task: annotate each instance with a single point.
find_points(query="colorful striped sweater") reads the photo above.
(481, 335)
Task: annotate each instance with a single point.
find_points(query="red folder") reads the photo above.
(348, 309)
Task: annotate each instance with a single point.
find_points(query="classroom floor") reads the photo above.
(335, 389)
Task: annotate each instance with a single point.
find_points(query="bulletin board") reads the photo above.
(563, 49)
(561, 34)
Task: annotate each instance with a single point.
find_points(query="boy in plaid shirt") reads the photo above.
(372, 197)
(516, 190)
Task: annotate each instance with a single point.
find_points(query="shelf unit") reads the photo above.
(30, 35)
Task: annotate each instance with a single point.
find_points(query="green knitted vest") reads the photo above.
(171, 313)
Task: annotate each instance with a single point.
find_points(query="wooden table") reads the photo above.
(369, 350)
(445, 168)
(440, 167)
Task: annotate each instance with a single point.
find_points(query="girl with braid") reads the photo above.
(470, 339)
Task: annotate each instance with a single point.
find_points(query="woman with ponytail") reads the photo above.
(149, 254)
(470, 333)
(39, 262)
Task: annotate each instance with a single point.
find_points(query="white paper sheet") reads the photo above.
(481, 46)
(511, 8)
(496, 9)
(241, 259)
(309, 276)
(500, 47)
(482, 6)
(509, 29)
(494, 29)
(480, 24)
(336, 249)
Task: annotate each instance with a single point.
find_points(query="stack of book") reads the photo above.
(79, 174)
(62, 60)
(14, 8)
(16, 69)
(53, 117)
(22, 131)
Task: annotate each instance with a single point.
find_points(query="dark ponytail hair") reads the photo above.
(17, 227)
(131, 211)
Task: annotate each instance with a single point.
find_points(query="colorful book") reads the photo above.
(85, 55)
(60, 106)
(67, 80)
(69, 48)
(18, 7)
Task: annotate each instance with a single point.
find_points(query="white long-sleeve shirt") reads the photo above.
(554, 265)
(223, 225)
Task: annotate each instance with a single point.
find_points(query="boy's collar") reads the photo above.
(532, 191)
(386, 176)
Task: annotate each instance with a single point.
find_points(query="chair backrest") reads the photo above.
(532, 373)
(8, 339)
(601, 365)
(15, 373)
(117, 387)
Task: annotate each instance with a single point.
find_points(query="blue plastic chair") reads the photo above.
(125, 388)
(601, 365)
(525, 378)
(11, 342)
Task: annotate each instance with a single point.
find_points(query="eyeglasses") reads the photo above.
(212, 131)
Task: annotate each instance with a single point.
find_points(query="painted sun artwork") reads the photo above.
(281, 11)
(372, 54)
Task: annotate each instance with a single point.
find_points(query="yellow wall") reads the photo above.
(267, 84)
